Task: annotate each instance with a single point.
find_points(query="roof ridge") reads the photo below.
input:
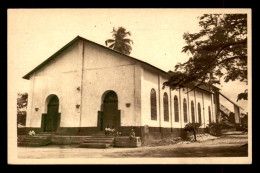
(84, 39)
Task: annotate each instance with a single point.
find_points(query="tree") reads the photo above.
(215, 128)
(22, 101)
(192, 127)
(218, 50)
(120, 42)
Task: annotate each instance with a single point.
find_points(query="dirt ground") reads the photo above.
(231, 144)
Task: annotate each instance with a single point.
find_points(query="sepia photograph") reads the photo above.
(129, 86)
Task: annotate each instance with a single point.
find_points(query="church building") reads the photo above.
(85, 87)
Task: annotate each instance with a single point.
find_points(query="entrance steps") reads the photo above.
(98, 140)
(37, 140)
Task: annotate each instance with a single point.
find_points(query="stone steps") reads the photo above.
(98, 140)
(37, 137)
(33, 144)
(41, 139)
(33, 140)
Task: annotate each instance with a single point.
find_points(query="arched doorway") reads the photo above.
(109, 116)
(52, 118)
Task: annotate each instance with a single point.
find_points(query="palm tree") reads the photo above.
(120, 42)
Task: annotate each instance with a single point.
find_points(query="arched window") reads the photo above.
(192, 112)
(153, 105)
(209, 115)
(176, 109)
(166, 107)
(199, 113)
(185, 111)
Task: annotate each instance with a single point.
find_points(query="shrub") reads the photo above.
(215, 128)
(206, 130)
(240, 127)
(185, 135)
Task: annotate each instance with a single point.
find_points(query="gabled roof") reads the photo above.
(27, 76)
(230, 100)
(81, 38)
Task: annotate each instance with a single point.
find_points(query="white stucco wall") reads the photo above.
(60, 77)
(199, 100)
(183, 95)
(106, 70)
(176, 124)
(162, 91)
(207, 103)
(149, 81)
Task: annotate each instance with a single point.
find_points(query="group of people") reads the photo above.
(109, 131)
(112, 131)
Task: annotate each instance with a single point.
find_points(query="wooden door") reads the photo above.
(111, 114)
(51, 119)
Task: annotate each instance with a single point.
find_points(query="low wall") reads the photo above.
(125, 141)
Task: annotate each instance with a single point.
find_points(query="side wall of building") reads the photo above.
(152, 79)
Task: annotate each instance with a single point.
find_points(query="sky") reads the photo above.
(36, 34)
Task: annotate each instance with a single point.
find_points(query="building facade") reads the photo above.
(85, 87)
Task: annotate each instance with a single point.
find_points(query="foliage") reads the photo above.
(192, 127)
(215, 128)
(120, 42)
(22, 100)
(243, 95)
(218, 50)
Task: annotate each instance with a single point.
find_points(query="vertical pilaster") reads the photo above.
(30, 102)
(81, 72)
(188, 100)
(195, 106)
(203, 109)
(180, 112)
(170, 106)
(138, 73)
(237, 114)
(217, 106)
(159, 101)
(212, 107)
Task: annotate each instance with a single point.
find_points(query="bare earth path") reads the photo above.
(228, 145)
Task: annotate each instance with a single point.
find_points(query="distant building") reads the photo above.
(85, 87)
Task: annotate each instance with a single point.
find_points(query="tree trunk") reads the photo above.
(194, 133)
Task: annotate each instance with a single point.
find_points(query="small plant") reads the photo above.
(184, 135)
(215, 128)
(192, 127)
